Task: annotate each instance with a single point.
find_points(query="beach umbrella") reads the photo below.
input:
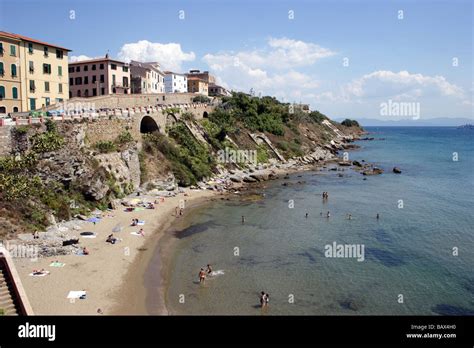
(93, 219)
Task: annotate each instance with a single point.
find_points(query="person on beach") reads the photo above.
(328, 215)
(134, 222)
(306, 215)
(141, 232)
(176, 211)
(40, 272)
(85, 251)
(111, 239)
(209, 269)
(36, 235)
(202, 276)
(181, 211)
(243, 219)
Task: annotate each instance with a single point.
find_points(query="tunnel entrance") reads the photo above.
(148, 125)
(205, 114)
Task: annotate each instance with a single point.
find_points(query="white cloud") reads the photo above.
(401, 85)
(271, 70)
(169, 55)
(73, 59)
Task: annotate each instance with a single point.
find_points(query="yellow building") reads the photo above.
(197, 85)
(41, 72)
(10, 86)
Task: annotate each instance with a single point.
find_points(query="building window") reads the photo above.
(78, 68)
(46, 86)
(86, 80)
(47, 101)
(79, 93)
(3, 110)
(125, 69)
(94, 91)
(45, 50)
(15, 93)
(125, 81)
(46, 68)
(102, 91)
(71, 69)
(59, 54)
(15, 109)
(93, 67)
(113, 66)
(86, 67)
(94, 79)
(70, 94)
(31, 67)
(13, 50)
(32, 104)
(86, 93)
(113, 80)
(32, 86)
(78, 81)
(30, 48)
(13, 68)
(102, 66)
(2, 92)
(71, 81)
(102, 78)
(60, 70)
(60, 88)
(2, 72)
(1, 48)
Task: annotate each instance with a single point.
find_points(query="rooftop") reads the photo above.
(29, 39)
(97, 60)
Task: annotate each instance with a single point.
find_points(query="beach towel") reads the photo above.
(136, 234)
(94, 219)
(76, 294)
(57, 264)
(80, 253)
(89, 236)
(141, 222)
(44, 273)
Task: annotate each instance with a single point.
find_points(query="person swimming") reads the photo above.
(202, 276)
(328, 215)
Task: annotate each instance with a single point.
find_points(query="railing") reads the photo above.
(97, 115)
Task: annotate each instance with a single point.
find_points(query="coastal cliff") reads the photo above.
(57, 171)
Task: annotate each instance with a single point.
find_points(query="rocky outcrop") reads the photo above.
(397, 170)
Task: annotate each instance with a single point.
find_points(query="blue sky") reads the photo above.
(254, 44)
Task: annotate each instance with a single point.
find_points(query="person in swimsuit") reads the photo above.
(209, 269)
(202, 276)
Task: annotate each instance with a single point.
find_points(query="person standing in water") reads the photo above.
(378, 216)
(328, 215)
(264, 299)
(202, 276)
(243, 219)
(306, 215)
(209, 269)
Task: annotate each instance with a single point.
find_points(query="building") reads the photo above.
(146, 78)
(33, 74)
(175, 83)
(210, 79)
(197, 85)
(101, 76)
(218, 91)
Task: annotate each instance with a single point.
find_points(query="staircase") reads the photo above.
(8, 302)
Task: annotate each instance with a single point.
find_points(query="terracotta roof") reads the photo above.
(96, 60)
(29, 39)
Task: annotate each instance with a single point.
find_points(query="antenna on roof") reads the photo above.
(107, 54)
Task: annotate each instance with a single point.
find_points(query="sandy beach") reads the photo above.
(112, 274)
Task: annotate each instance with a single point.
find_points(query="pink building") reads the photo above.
(102, 76)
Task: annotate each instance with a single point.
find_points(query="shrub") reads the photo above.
(350, 123)
(201, 99)
(124, 138)
(105, 146)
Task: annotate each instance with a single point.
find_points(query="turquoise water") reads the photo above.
(408, 251)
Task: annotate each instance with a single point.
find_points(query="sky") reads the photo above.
(377, 59)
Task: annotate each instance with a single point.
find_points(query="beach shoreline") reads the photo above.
(110, 273)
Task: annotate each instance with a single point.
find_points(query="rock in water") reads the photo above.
(397, 170)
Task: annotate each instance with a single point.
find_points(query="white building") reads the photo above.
(147, 78)
(175, 83)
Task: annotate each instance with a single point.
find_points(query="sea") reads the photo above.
(417, 258)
